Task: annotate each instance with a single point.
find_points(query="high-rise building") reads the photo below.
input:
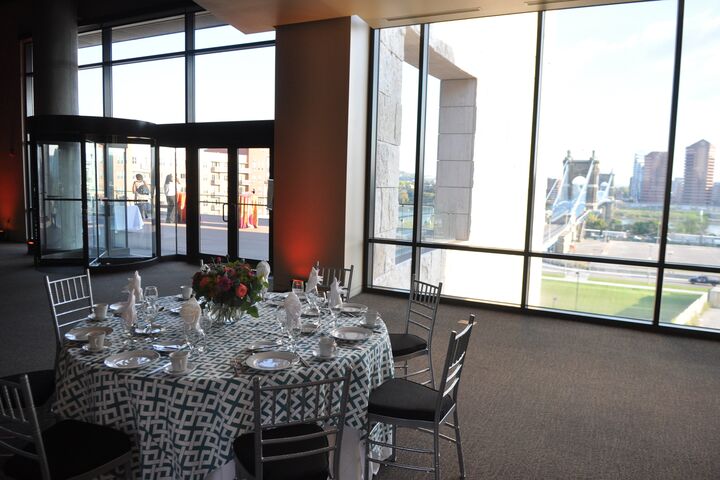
(676, 191)
(699, 173)
(654, 171)
(636, 180)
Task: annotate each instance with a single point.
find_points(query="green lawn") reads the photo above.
(621, 301)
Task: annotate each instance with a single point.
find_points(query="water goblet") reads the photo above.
(298, 287)
(335, 311)
(293, 326)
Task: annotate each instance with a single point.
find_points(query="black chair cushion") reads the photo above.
(42, 384)
(401, 398)
(406, 343)
(311, 467)
(72, 447)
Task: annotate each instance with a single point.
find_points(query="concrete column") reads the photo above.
(55, 59)
(320, 114)
(56, 93)
(453, 194)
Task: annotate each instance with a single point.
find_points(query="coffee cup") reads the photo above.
(186, 292)
(326, 346)
(179, 360)
(371, 318)
(96, 341)
(100, 311)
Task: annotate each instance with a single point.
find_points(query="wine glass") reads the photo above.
(293, 327)
(150, 307)
(298, 287)
(335, 311)
(151, 295)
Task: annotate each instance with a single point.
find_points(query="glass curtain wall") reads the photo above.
(554, 173)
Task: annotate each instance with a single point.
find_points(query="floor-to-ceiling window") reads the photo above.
(553, 161)
(183, 69)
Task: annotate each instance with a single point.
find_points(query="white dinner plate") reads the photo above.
(117, 306)
(351, 334)
(169, 370)
(133, 359)
(92, 318)
(155, 330)
(272, 361)
(79, 334)
(353, 308)
(175, 310)
(374, 327)
(166, 346)
(276, 302)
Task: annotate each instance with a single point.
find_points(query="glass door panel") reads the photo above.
(253, 215)
(213, 167)
(173, 201)
(60, 189)
(95, 175)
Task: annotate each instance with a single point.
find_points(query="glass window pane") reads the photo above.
(151, 91)
(691, 298)
(595, 288)
(213, 164)
(90, 92)
(604, 121)
(28, 47)
(391, 266)
(211, 32)
(479, 110)
(472, 275)
(173, 201)
(89, 48)
(29, 96)
(396, 132)
(694, 226)
(234, 86)
(148, 38)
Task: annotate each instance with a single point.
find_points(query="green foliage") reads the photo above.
(647, 227)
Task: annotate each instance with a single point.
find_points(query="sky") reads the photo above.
(606, 83)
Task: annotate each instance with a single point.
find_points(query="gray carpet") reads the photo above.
(541, 398)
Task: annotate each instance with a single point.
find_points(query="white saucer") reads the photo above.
(323, 358)
(92, 318)
(168, 369)
(86, 348)
(373, 327)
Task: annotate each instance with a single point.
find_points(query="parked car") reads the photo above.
(702, 279)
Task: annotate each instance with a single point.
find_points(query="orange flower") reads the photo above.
(241, 290)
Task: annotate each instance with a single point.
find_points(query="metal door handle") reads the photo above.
(224, 212)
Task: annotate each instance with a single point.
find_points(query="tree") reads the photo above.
(647, 227)
(595, 222)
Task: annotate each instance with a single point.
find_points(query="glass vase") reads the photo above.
(222, 314)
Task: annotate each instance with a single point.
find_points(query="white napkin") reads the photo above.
(313, 280)
(135, 286)
(190, 312)
(263, 270)
(129, 315)
(293, 308)
(335, 298)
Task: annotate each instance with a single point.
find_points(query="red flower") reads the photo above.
(241, 290)
(224, 283)
(204, 282)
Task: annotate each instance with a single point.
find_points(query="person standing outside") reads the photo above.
(141, 191)
(170, 189)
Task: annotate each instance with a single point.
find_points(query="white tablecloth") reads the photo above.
(134, 217)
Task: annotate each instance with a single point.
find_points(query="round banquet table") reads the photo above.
(184, 426)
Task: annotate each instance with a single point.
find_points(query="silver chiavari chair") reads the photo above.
(416, 341)
(402, 403)
(71, 301)
(291, 437)
(328, 274)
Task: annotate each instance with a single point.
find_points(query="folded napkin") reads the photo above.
(335, 298)
(190, 312)
(293, 308)
(313, 280)
(129, 315)
(263, 270)
(135, 286)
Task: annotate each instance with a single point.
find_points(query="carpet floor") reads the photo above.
(540, 398)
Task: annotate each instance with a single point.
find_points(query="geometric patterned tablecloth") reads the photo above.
(184, 426)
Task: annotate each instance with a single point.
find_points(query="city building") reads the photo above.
(699, 173)
(636, 181)
(654, 171)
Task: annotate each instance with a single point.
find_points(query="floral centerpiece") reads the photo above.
(228, 290)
